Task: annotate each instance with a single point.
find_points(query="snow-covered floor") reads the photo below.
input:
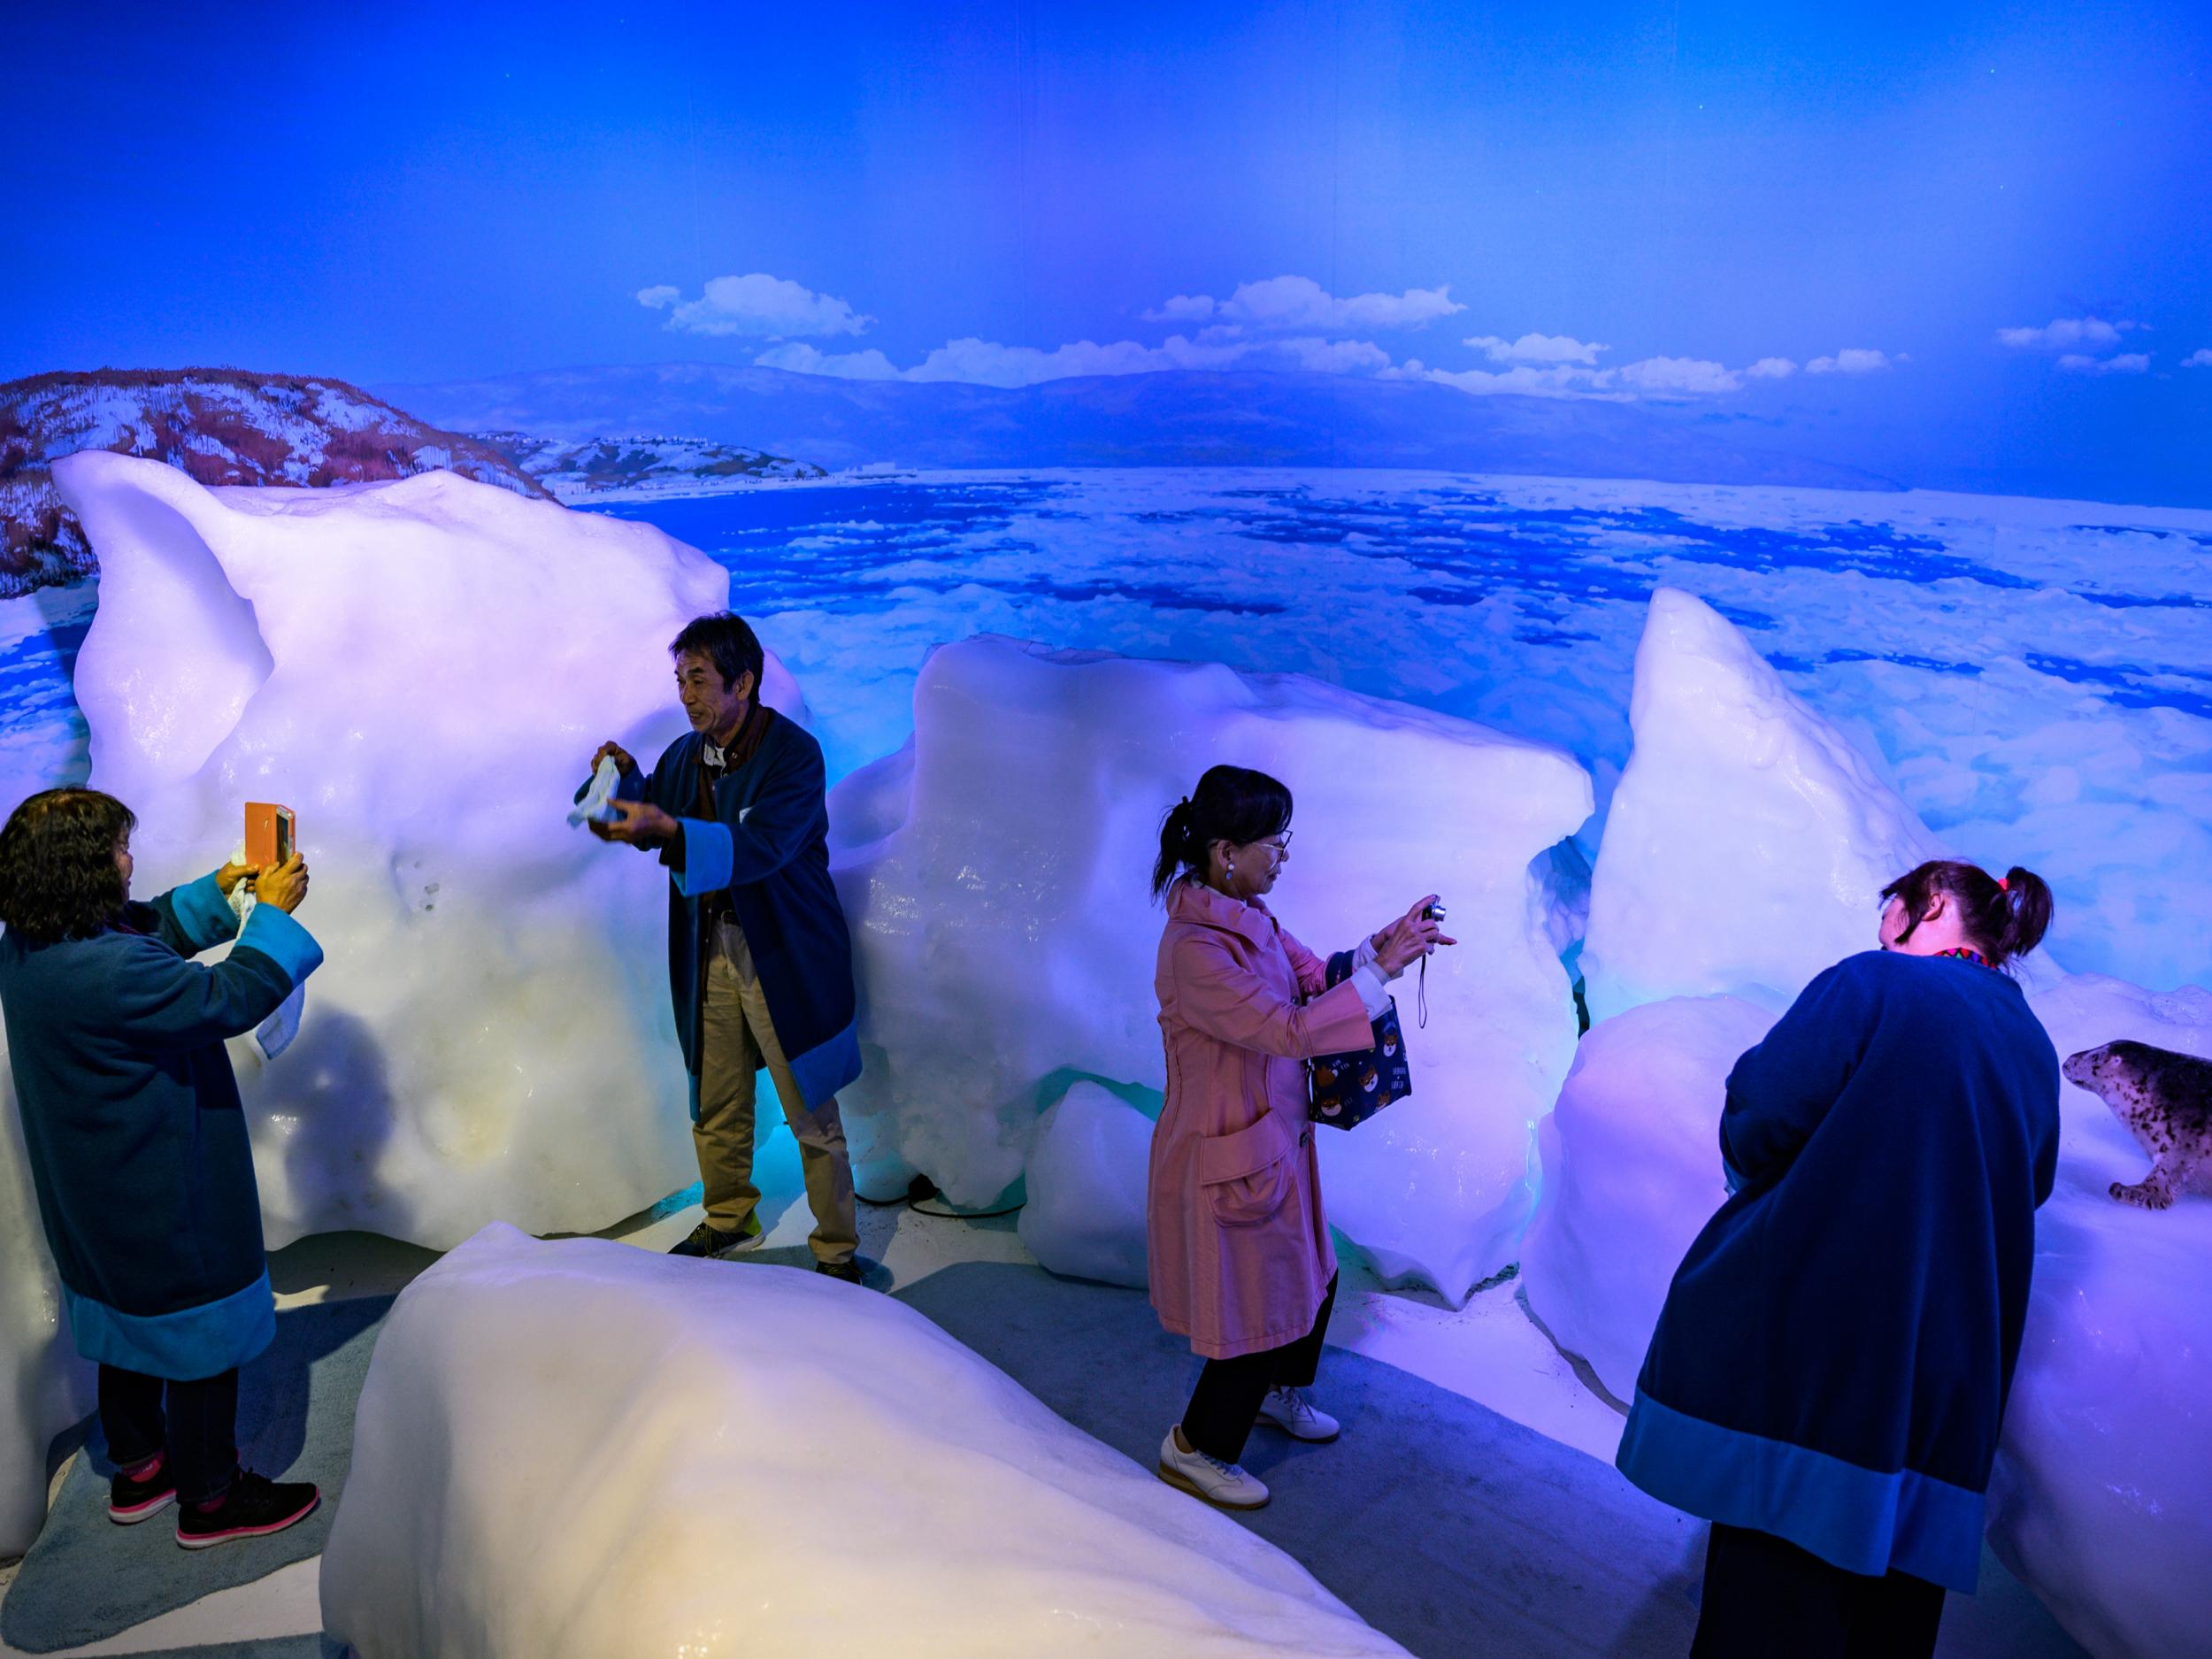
(1491, 1351)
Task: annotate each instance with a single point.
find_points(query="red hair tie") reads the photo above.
(2004, 884)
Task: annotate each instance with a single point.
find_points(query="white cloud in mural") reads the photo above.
(2065, 333)
(1297, 304)
(755, 306)
(1538, 349)
(801, 359)
(2200, 358)
(1661, 377)
(1852, 360)
(2126, 363)
(987, 363)
(1335, 356)
(1282, 323)
(1566, 380)
(1182, 308)
(978, 361)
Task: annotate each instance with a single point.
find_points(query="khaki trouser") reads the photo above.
(736, 1040)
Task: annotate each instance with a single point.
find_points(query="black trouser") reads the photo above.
(197, 1433)
(1226, 1402)
(1764, 1596)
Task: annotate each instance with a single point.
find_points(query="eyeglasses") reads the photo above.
(1280, 844)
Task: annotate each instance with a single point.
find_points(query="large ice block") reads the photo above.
(1631, 1172)
(421, 669)
(757, 1461)
(1749, 840)
(1006, 943)
(2103, 1498)
(44, 1387)
(1086, 1183)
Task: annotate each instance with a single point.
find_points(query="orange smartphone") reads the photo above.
(269, 833)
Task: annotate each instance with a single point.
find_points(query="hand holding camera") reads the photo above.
(284, 886)
(1412, 937)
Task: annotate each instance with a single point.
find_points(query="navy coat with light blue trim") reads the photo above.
(1834, 1360)
(136, 1139)
(768, 844)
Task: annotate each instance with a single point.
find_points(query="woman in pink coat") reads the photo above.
(1238, 1247)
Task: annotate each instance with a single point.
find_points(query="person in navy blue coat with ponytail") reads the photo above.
(1828, 1377)
(137, 1142)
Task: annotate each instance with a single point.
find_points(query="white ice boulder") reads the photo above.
(421, 669)
(757, 1461)
(996, 875)
(1086, 1184)
(1632, 1172)
(2103, 1498)
(1748, 842)
(44, 1387)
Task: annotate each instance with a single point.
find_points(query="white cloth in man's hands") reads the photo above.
(596, 803)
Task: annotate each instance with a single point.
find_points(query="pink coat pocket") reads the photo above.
(1248, 1175)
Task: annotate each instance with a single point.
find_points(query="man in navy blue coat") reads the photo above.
(759, 959)
(137, 1142)
(1828, 1380)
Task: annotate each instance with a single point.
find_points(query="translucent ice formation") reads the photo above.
(1749, 840)
(996, 874)
(2103, 1500)
(421, 669)
(1086, 1181)
(757, 1460)
(44, 1387)
(1631, 1172)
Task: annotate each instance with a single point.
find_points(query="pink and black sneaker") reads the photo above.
(132, 1499)
(254, 1506)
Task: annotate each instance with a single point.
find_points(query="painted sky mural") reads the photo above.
(1958, 247)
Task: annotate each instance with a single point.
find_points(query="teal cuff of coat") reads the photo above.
(184, 1346)
(1859, 1519)
(277, 936)
(827, 1067)
(709, 855)
(203, 912)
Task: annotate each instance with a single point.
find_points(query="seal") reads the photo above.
(2165, 1098)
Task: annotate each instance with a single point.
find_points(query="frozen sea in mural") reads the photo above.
(2035, 676)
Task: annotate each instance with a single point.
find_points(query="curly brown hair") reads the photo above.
(58, 878)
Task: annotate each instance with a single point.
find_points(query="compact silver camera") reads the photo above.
(1432, 912)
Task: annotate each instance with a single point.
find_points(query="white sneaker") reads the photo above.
(1224, 1486)
(1289, 1410)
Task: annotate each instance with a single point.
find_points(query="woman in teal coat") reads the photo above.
(1828, 1380)
(137, 1142)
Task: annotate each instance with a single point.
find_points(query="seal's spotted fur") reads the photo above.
(2166, 1099)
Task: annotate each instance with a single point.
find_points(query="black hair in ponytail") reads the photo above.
(2005, 918)
(1232, 803)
